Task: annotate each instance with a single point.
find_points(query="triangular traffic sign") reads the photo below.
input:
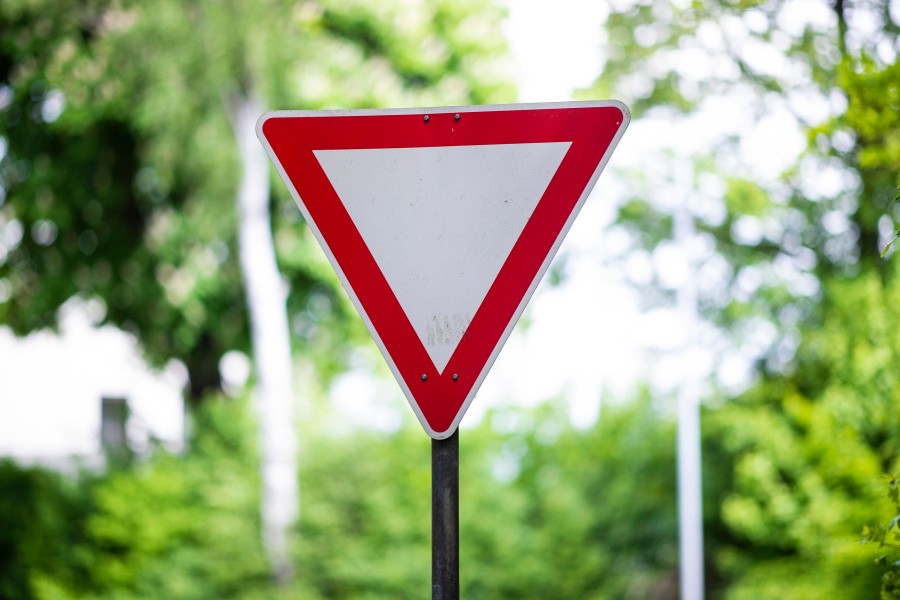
(440, 223)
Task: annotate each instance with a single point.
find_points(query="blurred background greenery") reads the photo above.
(118, 169)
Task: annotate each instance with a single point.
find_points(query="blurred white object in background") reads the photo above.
(54, 387)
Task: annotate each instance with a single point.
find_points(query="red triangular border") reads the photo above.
(290, 137)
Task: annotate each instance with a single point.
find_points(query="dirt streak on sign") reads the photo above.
(440, 222)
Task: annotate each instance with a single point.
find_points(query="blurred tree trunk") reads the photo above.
(266, 301)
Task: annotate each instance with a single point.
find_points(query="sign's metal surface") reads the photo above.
(440, 222)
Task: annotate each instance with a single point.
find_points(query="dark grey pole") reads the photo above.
(445, 518)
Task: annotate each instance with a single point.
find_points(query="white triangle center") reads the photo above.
(441, 222)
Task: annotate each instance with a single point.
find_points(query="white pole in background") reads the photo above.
(690, 499)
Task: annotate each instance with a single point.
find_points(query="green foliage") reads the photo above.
(118, 168)
(896, 235)
(172, 527)
(790, 463)
(804, 450)
(743, 197)
(887, 536)
(651, 223)
(584, 514)
(39, 513)
(873, 94)
(365, 527)
(182, 527)
(545, 511)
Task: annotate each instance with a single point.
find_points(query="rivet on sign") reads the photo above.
(426, 118)
(424, 376)
(456, 116)
(455, 376)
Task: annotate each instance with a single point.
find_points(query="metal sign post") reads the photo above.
(690, 478)
(445, 518)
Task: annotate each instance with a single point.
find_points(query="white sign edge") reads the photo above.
(454, 425)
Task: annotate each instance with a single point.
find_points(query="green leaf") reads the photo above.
(891, 243)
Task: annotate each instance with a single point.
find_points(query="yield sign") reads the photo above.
(440, 223)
